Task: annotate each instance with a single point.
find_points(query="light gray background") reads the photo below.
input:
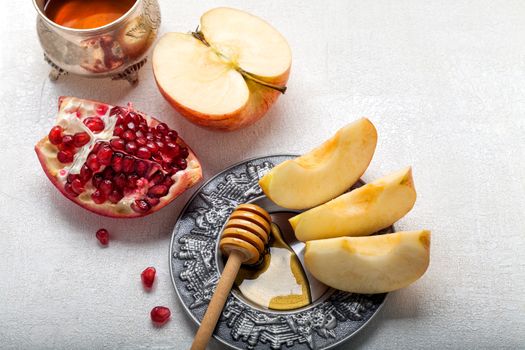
(443, 81)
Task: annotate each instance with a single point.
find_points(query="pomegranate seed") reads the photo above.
(65, 157)
(128, 135)
(132, 181)
(97, 180)
(172, 149)
(136, 118)
(162, 129)
(104, 155)
(94, 124)
(69, 189)
(66, 147)
(120, 180)
(131, 126)
(106, 186)
(143, 127)
(157, 158)
(117, 144)
(150, 136)
(55, 135)
(67, 141)
(118, 131)
(168, 182)
(141, 167)
(102, 109)
(181, 163)
(80, 139)
(96, 147)
(116, 111)
(158, 191)
(174, 169)
(115, 196)
(108, 173)
(157, 178)
(103, 236)
(167, 139)
(160, 314)
(152, 201)
(140, 206)
(131, 147)
(116, 162)
(72, 177)
(143, 153)
(77, 186)
(184, 153)
(98, 197)
(85, 173)
(148, 277)
(152, 147)
(173, 134)
(92, 162)
(141, 140)
(160, 144)
(128, 164)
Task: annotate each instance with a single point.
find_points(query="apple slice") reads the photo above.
(228, 74)
(375, 264)
(326, 171)
(360, 212)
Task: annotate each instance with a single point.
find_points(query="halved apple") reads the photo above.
(326, 171)
(375, 264)
(360, 212)
(226, 75)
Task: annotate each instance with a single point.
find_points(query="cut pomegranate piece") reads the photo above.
(115, 161)
(103, 236)
(160, 314)
(148, 277)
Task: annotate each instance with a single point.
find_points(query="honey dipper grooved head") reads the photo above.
(247, 231)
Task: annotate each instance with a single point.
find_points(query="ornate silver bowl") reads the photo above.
(117, 50)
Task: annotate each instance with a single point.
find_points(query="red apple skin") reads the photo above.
(260, 100)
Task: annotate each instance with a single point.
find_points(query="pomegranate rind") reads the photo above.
(183, 180)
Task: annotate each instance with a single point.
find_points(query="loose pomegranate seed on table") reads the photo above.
(148, 276)
(103, 236)
(160, 314)
(114, 160)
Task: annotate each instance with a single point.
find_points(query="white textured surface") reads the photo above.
(444, 82)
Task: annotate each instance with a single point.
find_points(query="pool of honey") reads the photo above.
(279, 281)
(82, 14)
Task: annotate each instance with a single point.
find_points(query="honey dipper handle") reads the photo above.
(217, 301)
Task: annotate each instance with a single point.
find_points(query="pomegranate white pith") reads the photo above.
(114, 160)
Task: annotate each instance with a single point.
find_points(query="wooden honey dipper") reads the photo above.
(243, 241)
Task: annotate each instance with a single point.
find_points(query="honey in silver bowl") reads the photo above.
(83, 14)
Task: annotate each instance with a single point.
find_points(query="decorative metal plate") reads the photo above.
(195, 266)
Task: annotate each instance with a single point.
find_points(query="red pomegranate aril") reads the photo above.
(102, 109)
(106, 186)
(150, 136)
(92, 162)
(132, 181)
(158, 191)
(66, 147)
(160, 144)
(96, 147)
(143, 153)
(81, 139)
(55, 135)
(69, 189)
(77, 186)
(65, 157)
(168, 182)
(98, 197)
(181, 163)
(118, 131)
(120, 180)
(116, 161)
(131, 147)
(128, 164)
(115, 196)
(104, 155)
(97, 180)
(173, 134)
(72, 177)
(141, 168)
(157, 178)
(131, 126)
(85, 173)
(152, 201)
(108, 173)
(152, 147)
(160, 314)
(117, 144)
(135, 118)
(143, 127)
(140, 206)
(141, 140)
(184, 153)
(148, 277)
(128, 135)
(162, 129)
(167, 139)
(67, 141)
(94, 124)
(156, 158)
(103, 236)
(172, 149)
